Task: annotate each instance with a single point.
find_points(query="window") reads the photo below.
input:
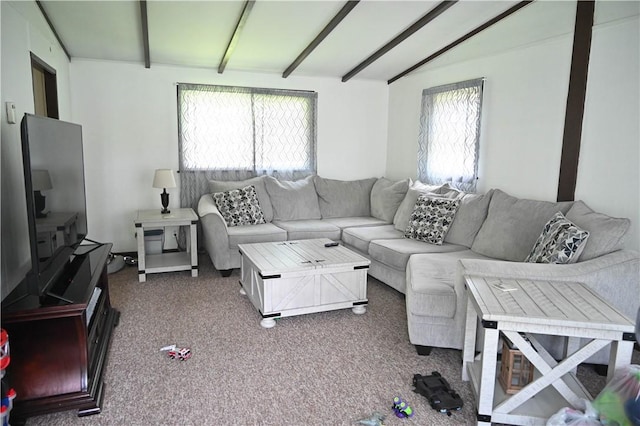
(450, 133)
(261, 131)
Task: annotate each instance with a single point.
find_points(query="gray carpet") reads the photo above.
(321, 369)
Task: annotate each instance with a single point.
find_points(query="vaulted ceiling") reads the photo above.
(367, 39)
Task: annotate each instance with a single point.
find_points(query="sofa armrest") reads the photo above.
(214, 230)
(615, 276)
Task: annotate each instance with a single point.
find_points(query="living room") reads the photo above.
(366, 128)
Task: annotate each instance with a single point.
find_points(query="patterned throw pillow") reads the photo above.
(431, 219)
(239, 206)
(561, 241)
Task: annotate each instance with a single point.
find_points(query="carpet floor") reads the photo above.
(328, 368)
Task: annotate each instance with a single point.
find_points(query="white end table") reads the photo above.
(516, 307)
(173, 261)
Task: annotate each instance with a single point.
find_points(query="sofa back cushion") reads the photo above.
(606, 234)
(386, 196)
(406, 207)
(471, 214)
(257, 182)
(342, 198)
(293, 200)
(513, 225)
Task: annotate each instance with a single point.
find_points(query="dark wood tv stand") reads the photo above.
(59, 349)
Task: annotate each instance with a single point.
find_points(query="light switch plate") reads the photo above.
(11, 113)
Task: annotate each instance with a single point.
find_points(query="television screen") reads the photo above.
(55, 193)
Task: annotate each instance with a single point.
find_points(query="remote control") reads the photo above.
(331, 244)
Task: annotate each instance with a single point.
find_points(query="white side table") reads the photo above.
(167, 262)
(516, 307)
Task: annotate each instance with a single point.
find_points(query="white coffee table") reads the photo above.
(289, 278)
(564, 309)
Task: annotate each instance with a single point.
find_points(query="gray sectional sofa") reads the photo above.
(491, 235)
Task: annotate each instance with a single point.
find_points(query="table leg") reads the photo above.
(621, 352)
(142, 277)
(487, 376)
(194, 249)
(469, 349)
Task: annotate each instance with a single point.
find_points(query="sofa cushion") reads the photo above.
(257, 182)
(344, 198)
(396, 252)
(307, 229)
(401, 218)
(247, 234)
(293, 200)
(431, 219)
(239, 206)
(561, 241)
(470, 216)
(606, 234)
(430, 283)
(360, 237)
(513, 226)
(350, 222)
(386, 196)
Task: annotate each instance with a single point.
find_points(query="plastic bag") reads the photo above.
(572, 417)
(619, 402)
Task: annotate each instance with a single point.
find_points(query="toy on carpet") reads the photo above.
(401, 408)
(374, 419)
(181, 354)
(8, 394)
(619, 402)
(437, 390)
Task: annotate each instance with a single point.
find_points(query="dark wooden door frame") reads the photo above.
(574, 113)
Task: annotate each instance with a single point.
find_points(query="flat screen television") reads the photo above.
(53, 166)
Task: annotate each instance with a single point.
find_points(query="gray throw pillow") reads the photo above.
(293, 200)
(513, 226)
(386, 196)
(344, 198)
(561, 241)
(239, 206)
(606, 233)
(258, 184)
(470, 216)
(431, 219)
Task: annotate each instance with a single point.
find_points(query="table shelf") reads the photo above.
(535, 411)
(168, 262)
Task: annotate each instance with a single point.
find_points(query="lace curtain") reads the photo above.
(234, 133)
(449, 135)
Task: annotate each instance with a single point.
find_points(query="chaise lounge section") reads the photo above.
(489, 234)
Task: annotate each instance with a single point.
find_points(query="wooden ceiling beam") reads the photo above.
(574, 113)
(145, 33)
(430, 16)
(348, 7)
(236, 35)
(53, 29)
(465, 37)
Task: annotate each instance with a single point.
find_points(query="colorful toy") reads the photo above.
(619, 402)
(375, 419)
(8, 394)
(401, 408)
(181, 354)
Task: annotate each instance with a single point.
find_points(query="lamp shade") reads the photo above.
(40, 180)
(164, 179)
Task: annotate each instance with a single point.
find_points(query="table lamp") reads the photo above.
(40, 181)
(164, 179)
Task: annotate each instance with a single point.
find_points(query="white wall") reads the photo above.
(23, 31)
(523, 120)
(129, 119)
